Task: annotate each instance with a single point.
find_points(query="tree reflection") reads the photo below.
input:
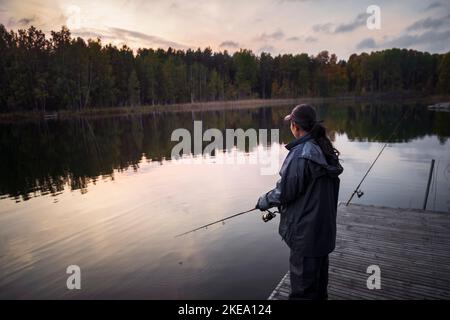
(40, 158)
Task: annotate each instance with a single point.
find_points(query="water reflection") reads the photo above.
(47, 157)
(130, 201)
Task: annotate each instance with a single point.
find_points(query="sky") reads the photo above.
(274, 26)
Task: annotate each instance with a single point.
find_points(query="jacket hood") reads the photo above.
(309, 149)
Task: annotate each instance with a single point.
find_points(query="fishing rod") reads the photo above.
(266, 217)
(357, 190)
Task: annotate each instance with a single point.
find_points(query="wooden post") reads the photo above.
(428, 185)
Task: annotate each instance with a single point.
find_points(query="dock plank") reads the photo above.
(411, 247)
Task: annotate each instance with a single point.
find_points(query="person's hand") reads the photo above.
(258, 205)
(262, 204)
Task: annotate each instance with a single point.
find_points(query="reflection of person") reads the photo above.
(307, 196)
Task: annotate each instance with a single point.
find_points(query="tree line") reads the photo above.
(64, 72)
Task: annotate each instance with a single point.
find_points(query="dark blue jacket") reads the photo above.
(307, 197)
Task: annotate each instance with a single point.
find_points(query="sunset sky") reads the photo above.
(275, 26)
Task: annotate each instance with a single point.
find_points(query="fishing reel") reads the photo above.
(269, 215)
(359, 193)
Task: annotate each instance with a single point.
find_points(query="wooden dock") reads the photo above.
(411, 247)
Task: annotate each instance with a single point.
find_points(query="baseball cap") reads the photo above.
(304, 115)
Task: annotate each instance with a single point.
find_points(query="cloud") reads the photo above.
(129, 37)
(430, 23)
(159, 23)
(23, 22)
(293, 39)
(174, 6)
(229, 44)
(277, 35)
(92, 34)
(268, 49)
(26, 21)
(324, 28)
(308, 39)
(432, 40)
(311, 39)
(368, 43)
(139, 36)
(434, 5)
(357, 22)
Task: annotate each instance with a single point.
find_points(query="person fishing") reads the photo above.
(306, 197)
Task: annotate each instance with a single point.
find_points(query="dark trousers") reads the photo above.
(309, 277)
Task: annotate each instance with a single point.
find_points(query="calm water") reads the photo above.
(103, 194)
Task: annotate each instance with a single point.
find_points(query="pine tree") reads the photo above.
(444, 75)
(133, 89)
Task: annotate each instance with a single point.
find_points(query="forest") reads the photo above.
(68, 73)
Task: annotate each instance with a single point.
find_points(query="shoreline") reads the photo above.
(209, 106)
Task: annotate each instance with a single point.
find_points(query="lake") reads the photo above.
(103, 194)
